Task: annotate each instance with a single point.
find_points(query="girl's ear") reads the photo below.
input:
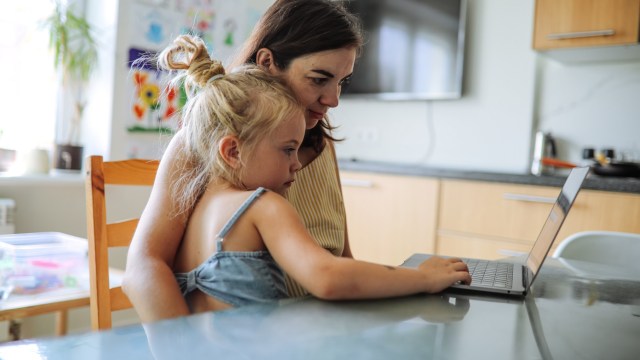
(265, 59)
(229, 149)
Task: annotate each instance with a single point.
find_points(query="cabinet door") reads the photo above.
(582, 23)
(478, 247)
(490, 220)
(506, 211)
(389, 217)
(601, 210)
(494, 220)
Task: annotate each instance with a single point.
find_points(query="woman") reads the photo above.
(312, 45)
(244, 130)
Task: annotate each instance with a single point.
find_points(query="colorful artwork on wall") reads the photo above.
(155, 102)
(199, 19)
(223, 25)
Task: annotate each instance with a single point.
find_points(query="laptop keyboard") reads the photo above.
(490, 273)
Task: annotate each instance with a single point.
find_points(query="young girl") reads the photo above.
(243, 131)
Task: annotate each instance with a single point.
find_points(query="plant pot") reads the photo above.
(68, 157)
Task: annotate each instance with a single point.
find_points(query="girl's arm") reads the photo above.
(149, 281)
(330, 277)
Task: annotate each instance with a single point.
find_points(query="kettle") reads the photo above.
(544, 147)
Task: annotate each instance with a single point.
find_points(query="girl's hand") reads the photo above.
(444, 272)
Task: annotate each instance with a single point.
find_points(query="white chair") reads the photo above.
(603, 247)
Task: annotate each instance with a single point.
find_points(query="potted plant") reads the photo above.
(75, 56)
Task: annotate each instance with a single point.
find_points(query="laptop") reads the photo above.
(516, 278)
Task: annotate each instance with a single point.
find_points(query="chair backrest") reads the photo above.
(604, 247)
(102, 235)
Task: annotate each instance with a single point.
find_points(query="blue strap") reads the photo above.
(241, 210)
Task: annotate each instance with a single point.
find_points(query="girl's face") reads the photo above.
(274, 161)
(316, 80)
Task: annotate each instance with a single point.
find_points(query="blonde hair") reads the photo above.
(247, 103)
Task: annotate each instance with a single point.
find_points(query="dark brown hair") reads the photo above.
(294, 28)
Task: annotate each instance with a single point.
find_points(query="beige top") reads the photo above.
(317, 196)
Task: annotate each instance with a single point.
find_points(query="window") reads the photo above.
(29, 84)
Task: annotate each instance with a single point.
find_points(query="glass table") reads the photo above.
(576, 310)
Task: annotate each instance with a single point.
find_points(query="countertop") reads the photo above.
(593, 182)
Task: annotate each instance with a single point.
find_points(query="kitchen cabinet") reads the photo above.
(585, 23)
(494, 220)
(603, 210)
(587, 31)
(490, 220)
(389, 217)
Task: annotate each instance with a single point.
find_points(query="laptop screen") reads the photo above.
(554, 221)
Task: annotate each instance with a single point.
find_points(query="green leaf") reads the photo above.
(73, 44)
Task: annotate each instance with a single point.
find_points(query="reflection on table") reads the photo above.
(567, 316)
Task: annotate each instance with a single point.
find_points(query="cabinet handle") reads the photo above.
(581, 34)
(357, 183)
(529, 198)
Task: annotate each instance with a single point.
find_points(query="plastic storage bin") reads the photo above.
(35, 262)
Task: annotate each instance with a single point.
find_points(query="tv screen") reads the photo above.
(414, 49)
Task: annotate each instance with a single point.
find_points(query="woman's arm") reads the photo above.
(330, 277)
(149, 281)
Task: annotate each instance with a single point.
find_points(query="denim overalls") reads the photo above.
(237, 278)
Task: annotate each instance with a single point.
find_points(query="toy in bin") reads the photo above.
(31, 263)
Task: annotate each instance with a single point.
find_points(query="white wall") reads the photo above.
(47, 203)
(508, 90)
(591, 106)
(100, 114)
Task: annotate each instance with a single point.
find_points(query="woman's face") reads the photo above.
(317, 80)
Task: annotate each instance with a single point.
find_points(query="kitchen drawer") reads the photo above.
(493, 220)
(602, 210)
(495, 210)
(451, 244)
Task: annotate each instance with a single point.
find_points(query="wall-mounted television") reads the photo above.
(414, 49)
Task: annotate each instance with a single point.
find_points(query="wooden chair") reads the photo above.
(102, 235)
